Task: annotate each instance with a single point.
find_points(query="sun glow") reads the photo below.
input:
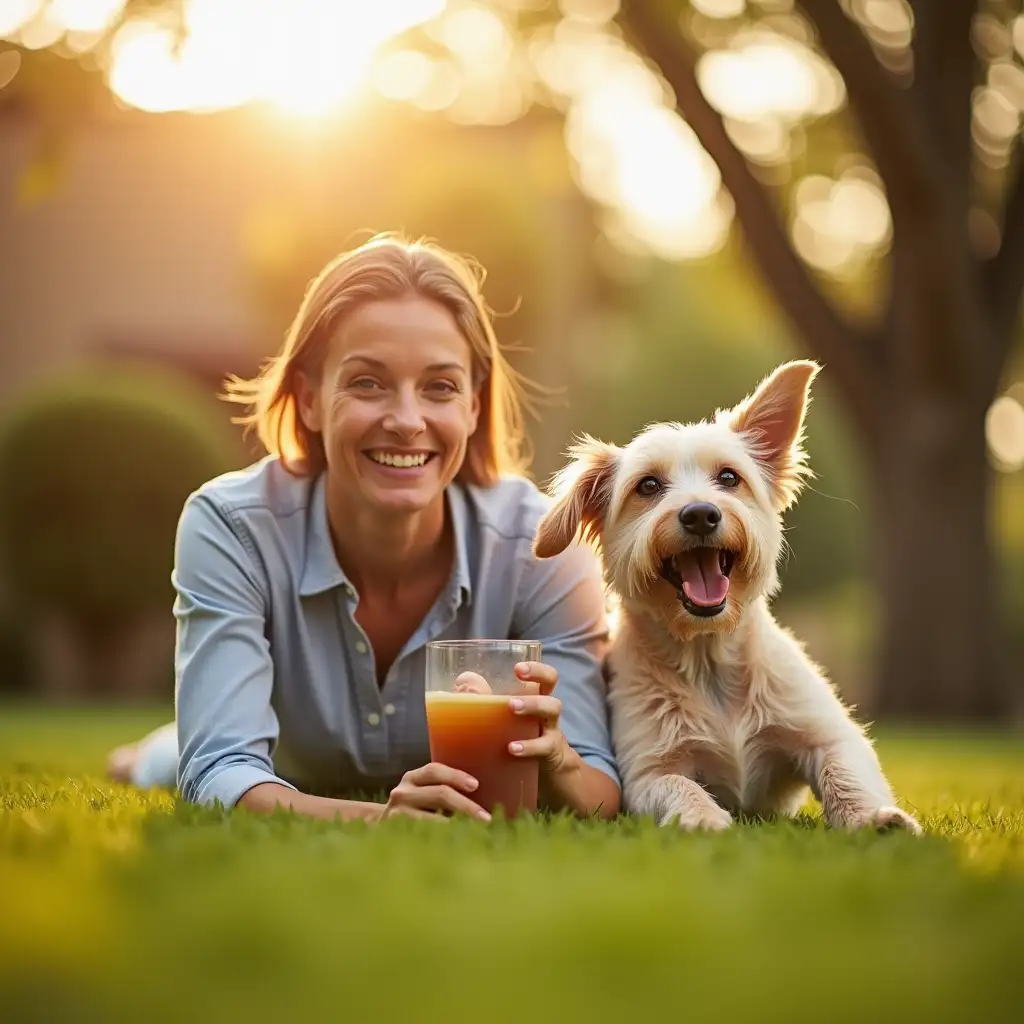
(635, 155)
(307, 57)
(632, 153)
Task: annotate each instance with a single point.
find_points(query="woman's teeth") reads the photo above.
(401, 461)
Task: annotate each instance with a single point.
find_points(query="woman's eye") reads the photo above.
(648, 486)
(364, 384)
(728, 478)
(444, 387)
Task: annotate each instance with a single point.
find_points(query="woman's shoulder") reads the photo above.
(507, 516)
(253, 516)
(265, 487)
(512, 507)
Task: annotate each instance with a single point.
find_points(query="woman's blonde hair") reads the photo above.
(387, 267)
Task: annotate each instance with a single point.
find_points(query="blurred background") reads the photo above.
(669, 198)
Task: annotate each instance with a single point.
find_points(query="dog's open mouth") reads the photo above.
(701, 577)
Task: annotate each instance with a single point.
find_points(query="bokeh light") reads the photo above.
(10, 64)
(596, 12)
(840, 223)
(763, 74)
(303, 56)
(1004, 431)
(86, 15)
(16, 13)
(719, 8)
(40, 29)
(635, 155)
(632, 153)
(490, 77)
(404, 75)
(888, 22)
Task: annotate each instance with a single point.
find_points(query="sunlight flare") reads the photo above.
(303, 56)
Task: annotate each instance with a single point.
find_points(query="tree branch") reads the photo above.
(946, 70)
(921, 143)
(952, 306)
(825, 330)
(887, 118)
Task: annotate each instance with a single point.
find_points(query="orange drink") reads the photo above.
(471, 729)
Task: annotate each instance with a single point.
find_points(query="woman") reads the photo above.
(391, 511)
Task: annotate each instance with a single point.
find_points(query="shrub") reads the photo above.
(95, 466)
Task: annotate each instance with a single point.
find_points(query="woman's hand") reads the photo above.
(567, 781)
(557, 758)
(434, 787)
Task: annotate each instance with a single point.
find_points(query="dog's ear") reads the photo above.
(582, 491)
(771, 421)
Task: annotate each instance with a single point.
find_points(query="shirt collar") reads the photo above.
(321, 572)
(458, 506)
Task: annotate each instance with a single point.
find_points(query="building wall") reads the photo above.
(137, 244)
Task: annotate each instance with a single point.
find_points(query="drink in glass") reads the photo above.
(468, 687)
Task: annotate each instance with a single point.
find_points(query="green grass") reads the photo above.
(118, 905)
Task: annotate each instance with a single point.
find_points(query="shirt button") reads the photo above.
(389, 709)
(373, 718)
(360, 647)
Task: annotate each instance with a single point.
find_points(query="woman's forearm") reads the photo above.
(268, 796)
(584, 790)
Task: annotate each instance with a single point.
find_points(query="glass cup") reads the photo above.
(468, 686)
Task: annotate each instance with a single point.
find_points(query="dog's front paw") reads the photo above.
(886, 819)
(706, 819)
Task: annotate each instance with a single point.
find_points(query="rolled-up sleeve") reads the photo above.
(561, 603)
(227, 728)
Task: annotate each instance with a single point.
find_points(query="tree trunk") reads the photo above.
(940, 655)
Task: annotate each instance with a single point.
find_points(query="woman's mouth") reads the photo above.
(395, 459)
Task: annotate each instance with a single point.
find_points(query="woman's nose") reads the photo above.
(405, 417)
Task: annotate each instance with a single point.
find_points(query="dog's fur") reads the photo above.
(713, 716)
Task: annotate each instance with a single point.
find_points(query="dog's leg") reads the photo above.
(675, 799)
(847, 778)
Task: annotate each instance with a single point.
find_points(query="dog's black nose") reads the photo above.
(700, 518)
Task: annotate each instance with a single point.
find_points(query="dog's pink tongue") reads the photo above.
(704, 583)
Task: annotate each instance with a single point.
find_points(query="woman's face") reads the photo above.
(395, 403)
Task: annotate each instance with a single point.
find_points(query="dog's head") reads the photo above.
(689, 517)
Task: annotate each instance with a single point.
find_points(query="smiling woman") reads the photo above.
(428, 333)
(392, 510)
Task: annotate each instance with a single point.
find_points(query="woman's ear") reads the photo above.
(583, 489)
(475, 405)
(308, 406)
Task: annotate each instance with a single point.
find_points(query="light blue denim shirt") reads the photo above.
(275, 679)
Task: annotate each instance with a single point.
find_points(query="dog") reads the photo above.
(715, 709)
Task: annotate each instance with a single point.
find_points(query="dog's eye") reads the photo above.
(729, 478)
(648, 486)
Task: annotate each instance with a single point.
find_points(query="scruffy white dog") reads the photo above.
(715, 708)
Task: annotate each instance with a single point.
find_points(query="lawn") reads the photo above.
(116, 905)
